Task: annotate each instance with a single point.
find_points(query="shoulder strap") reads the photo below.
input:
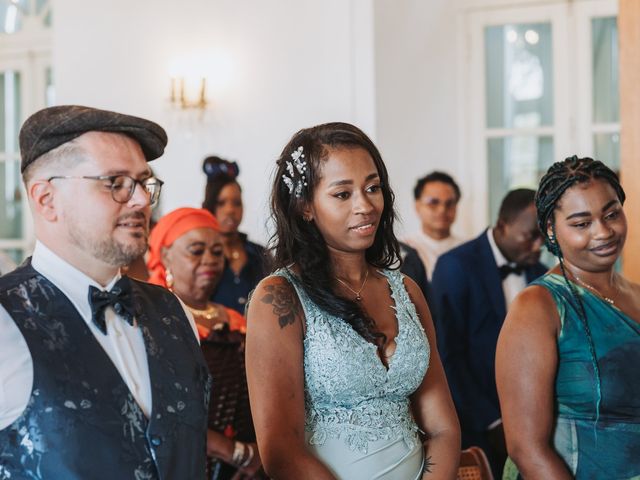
(559, 290)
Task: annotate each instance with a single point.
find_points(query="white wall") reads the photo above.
(417, 98)
(273, 67)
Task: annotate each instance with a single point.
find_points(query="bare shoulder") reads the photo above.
(410, 284)
(527, 341)
(276, 299)
(533, 308)
(414, 291)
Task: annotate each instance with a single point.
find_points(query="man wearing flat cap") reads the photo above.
(101, 376)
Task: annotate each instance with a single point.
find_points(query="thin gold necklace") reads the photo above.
(357, 294)
(594, 290)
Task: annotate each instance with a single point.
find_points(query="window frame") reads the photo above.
(29, 52)
(572, 129)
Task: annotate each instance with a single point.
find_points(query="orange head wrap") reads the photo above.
(168, 229)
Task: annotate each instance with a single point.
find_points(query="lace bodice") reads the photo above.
(349, 393)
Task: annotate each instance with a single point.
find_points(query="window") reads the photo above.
(543, 86)
(26, 85)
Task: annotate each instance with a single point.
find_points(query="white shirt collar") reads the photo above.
(497, 254)
(71, 281)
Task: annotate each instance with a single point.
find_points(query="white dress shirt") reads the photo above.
(512, 284)
(429, 249)
(123, 343)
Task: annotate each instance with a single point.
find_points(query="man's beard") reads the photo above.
(110, 250)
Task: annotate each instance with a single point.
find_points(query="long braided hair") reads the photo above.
(298, 241)
(560, 177)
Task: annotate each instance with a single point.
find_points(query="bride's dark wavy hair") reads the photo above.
(299, 242)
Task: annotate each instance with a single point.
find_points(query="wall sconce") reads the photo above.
(181, 99)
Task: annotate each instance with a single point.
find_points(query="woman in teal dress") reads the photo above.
(569, 351)
(344, 376)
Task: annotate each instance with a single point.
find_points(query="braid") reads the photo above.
(560, 177)
(579, 306)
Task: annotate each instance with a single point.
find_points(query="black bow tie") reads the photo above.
(119, 298)
(506, 270)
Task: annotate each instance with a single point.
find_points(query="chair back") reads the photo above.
(474, 465)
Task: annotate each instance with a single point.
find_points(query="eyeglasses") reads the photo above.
(123, 186)
(433, 202)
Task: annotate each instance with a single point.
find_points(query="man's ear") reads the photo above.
(41, 195)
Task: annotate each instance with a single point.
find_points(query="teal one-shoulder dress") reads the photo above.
(604, 444)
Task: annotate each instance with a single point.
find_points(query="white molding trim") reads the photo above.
(473, 5)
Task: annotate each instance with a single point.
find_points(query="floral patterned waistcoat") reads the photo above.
(81, 420)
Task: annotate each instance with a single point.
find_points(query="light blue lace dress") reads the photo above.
(358, 419)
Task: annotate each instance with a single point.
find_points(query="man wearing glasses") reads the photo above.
(436, 196)
(101, 376)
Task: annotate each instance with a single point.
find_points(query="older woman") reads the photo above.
(186, 256)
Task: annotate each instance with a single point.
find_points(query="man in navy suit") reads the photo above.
(471, 289)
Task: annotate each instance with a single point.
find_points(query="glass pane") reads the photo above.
(23, 5)
(519, 76)
(3, 128)
(516, 162)
(11, 15)
(10, 200)
(606, 95)
(14, 92)
(50, 93)
(10, 110)
(9, 259)
(606, 148)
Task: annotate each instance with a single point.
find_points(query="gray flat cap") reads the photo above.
(51, 127)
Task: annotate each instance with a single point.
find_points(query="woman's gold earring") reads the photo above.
(168, 279)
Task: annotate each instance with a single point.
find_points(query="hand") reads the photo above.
(250, 471)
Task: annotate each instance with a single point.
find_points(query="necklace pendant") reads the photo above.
(356, 293)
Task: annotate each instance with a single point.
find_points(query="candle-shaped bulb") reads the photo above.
(203, 87)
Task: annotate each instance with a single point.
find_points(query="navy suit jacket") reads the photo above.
(469, 308)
